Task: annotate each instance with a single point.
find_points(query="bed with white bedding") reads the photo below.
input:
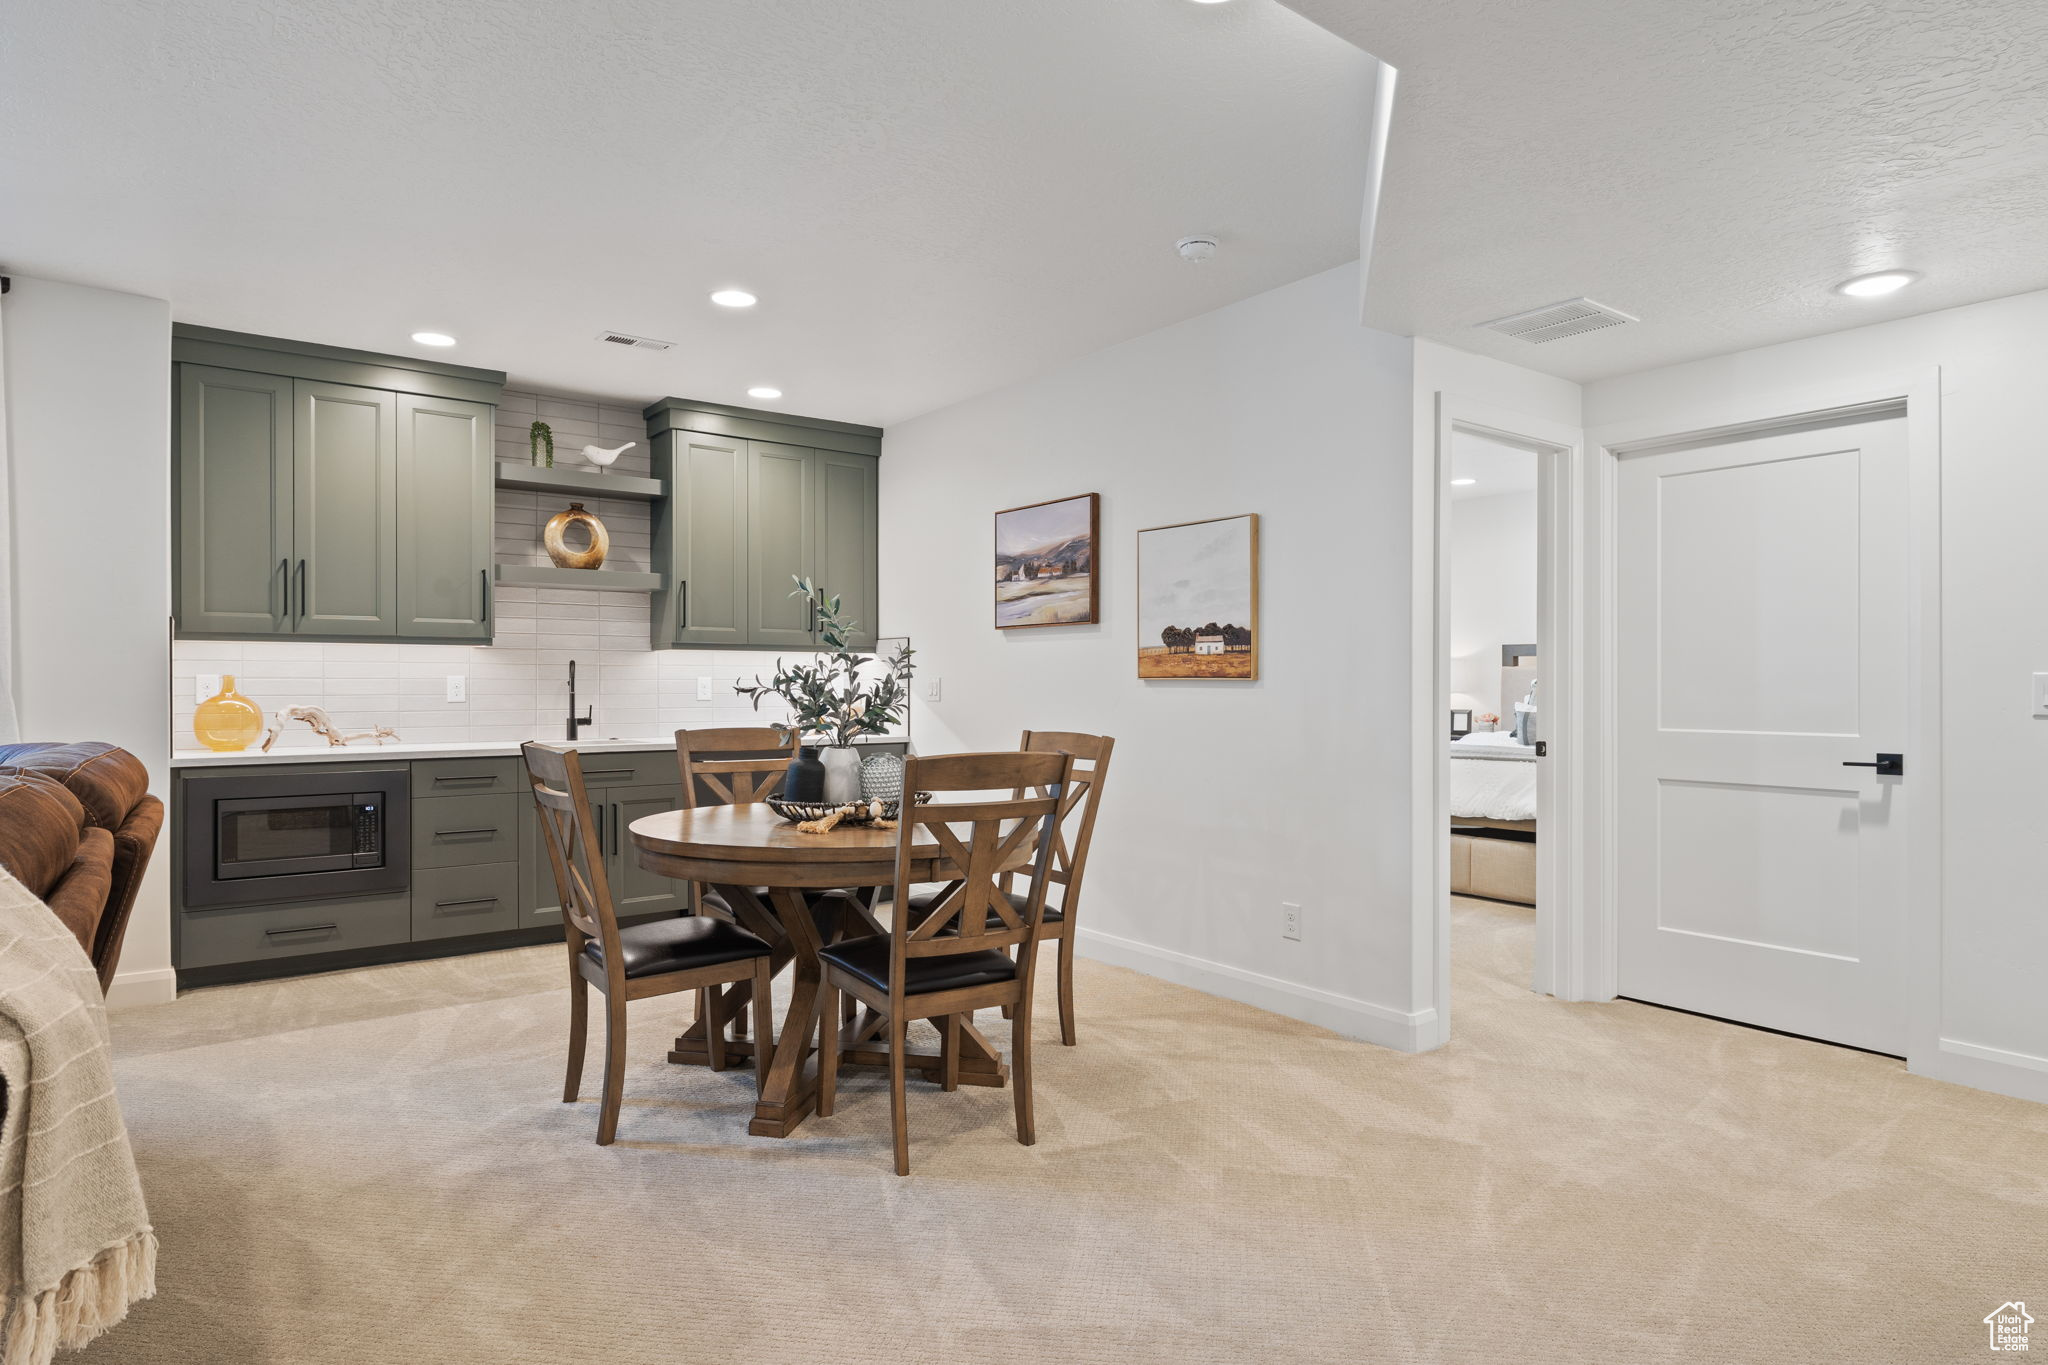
(1493, 818)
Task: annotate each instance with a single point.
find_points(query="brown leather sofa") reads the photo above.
(77, 827)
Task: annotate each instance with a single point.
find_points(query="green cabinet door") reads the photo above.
(700, 541)
(345, 509)
(843, 555)
(234, 502)
(781, 525)
(539, 901)
(446, 499)
(635, 890)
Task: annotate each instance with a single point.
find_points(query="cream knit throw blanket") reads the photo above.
(75, 1243)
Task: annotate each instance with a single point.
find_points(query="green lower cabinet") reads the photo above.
(636, 893)
(262, 933)
(635, 890)
(448, 831)
(455, 902)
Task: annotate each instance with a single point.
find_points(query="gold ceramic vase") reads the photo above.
(554, 537)
(228, 722)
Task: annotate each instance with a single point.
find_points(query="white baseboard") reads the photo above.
(153, 987)
(2021, 1075)
(1343, 1014)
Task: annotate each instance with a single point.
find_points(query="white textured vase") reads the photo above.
(842, 773)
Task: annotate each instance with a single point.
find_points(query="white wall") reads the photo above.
(1225, 799)
(1994, 452)
(88, 376)
(1493, 590)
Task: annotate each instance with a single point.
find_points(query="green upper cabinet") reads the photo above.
(331, 494)
(445, 518)
(234, 502)
(700, 541)
(345, 510)
(781, 516)
(755, 500)
(843, 560)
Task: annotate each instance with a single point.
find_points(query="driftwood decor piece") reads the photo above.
(323, 726)
(554, 536)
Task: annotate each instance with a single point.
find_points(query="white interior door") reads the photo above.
(1762, 647)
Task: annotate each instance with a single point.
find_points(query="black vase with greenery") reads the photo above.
(805, 780)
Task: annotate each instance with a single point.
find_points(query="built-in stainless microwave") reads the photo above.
(252, 837)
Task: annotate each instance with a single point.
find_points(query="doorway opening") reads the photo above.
(1494, 668)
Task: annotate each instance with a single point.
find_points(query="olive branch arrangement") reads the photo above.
(827, 696)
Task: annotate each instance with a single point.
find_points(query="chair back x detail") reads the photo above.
(734, 781)
(569, 832)
(1082, 790)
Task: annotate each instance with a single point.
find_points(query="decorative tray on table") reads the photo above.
(849, 812)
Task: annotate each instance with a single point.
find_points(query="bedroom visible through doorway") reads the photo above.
(1493, 669)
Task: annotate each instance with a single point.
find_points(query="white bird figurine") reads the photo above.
(602, 458)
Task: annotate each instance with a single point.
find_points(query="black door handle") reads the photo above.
(1887, 765)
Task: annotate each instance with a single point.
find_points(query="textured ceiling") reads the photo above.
(931, 197)
(1714, 167)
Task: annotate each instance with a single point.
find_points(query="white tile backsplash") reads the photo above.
(518, 685)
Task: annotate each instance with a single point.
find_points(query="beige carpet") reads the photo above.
(373, 1167)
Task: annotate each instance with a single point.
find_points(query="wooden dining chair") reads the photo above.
(659, 957)
(952, 957)
(1069, 850)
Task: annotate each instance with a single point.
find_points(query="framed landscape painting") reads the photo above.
(1198, 599)
(1045, 563)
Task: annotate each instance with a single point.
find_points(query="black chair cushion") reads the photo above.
(868, 959)
(675, 945)
(1017, 899)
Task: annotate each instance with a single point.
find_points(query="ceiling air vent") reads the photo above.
(1556, 321)
(628, 339)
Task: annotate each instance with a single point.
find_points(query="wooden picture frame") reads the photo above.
(1197, 573)
(1048, 567)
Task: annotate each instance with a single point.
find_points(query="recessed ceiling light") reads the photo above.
(1883, 282)
(763, 391)
(1463, 483)
(1208, 2)
(734, 298)
(433, 338)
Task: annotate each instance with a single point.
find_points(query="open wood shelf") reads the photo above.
(582, 483)
(597, 580)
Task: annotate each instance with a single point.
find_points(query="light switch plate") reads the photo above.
(703, 689)
(2041, 694)
(932, 690)
(205, 687)
(458, 687)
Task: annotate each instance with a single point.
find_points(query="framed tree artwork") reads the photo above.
(1198, 599)
(1046, 569)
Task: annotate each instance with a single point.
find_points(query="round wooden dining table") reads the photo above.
(761, 865)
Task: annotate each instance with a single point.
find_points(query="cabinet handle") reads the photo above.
(467, 900)
(812, 629)
(606, 772)
(485, 575)
(467, 777)
(284, 581)
(682, 604)
(614, 823)
(447, 833)
(302, 590)
(308, 929)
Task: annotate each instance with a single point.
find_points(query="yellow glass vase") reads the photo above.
(229, 722)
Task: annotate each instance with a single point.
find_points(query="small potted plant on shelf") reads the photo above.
(837, 697)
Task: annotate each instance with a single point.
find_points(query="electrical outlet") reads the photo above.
(1290, 920)
(458, 687)
(205, 687)
(2041, 694)
(932, 690)
(703, 689)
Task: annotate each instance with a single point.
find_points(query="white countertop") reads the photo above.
(366, 752)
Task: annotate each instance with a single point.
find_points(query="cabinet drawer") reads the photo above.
(451, 902)
(457, 831)
(468, 776)
(630, 770)
(215, 938)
